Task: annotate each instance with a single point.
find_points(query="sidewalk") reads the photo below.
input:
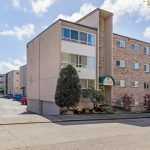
(93, 117)
(33, 118)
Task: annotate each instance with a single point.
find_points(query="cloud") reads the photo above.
(16, 3)
(39, 7)
(84, 10)
(20, 32)
(121, 8)
(147, 33)
(11, 64)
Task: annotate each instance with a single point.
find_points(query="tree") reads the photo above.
(68, 88)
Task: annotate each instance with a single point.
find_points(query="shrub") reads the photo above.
(97, 97)
(68, 88)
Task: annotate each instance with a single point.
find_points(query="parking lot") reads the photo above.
(9, 108)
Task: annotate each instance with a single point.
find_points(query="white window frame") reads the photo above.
(121, 43)
(122, 63)
(135, 83)
(135, 65)
(122, 83)
(147, 68)
(78, 41)
(136, 47)
(146, 51)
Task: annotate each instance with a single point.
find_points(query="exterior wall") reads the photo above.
(102, 20)
(23, 80)
(2, 84)
(13, 82)
(42, 53)
(128, 74)
(80, 49)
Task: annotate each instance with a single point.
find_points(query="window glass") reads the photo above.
(145, 85)
(83, 38)
(135, 65)
(146, 50)
(74, 36)
(91, 39)
(65, 58)
(83, 83)
(65, 33)
(135, 47)
(82, 61)
(135, 84)
(91, 83)
(120, 83)
(121, 63)
(91, 62)
(146, 68)
(121, 43)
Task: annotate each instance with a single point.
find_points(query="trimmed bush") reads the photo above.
(68, 88)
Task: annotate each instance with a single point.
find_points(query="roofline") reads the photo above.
(131, 38)
(23, 66)
(97, 9)
(62, 21)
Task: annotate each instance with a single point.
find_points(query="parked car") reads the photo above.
(17, 97)
(9, 96)
(24, 101)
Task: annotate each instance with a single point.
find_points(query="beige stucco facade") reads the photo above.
(2, 84)
(102, 20)
(23, 80)
(49, 51)
(13, 82)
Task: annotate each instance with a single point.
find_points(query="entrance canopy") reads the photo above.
(106, 81)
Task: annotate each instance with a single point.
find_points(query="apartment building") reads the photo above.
(86, 44)
(23, 80)
(131, 67)
(13, 82)
(2, 84)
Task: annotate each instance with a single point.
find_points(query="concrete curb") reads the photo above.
(36, 119)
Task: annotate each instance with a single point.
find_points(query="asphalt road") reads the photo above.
(94, 135)
(8, 108)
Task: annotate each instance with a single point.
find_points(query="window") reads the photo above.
(135, 47)
(78, 60)
(135, 65)
(146, 51)
(121, 63)
(87, 83)
(135, 84)
(145, 85)
(74, 36)
(120, 83)
(66, 34)
(83, 83)
(91, 39)
(91, 62)
(82, 61)
(77, 36)
(146, 68)
(91, 83)
(121, 43)
(83, 37)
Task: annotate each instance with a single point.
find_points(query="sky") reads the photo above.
(22, 20)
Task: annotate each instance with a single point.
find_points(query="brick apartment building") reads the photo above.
(113, 63)
(131, 67)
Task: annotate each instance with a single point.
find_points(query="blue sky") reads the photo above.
(21, 20)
